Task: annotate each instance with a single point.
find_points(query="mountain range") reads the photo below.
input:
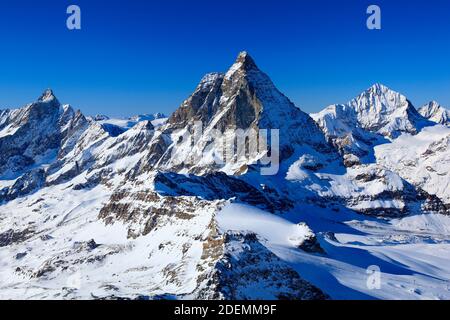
(100, 208)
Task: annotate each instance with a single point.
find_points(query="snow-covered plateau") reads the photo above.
(99, 208)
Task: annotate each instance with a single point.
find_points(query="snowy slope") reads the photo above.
(423, 160)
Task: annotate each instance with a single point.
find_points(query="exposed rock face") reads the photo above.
(36, 133)
(220, 186)
(239, 271)
(373, 190)
(11, 236)
(28, 183)
(73, 125)
(312, 245)
(202, 105)
(29, 133)
(433, 111)
(144, 211)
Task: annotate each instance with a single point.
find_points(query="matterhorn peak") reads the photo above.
(246, 60)
(243, 63)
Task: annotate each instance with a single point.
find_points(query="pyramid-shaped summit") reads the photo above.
(246, 98)
(243, 62)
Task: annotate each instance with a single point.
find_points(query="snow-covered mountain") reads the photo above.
(435, 112)
(37, 134)
(102, 208)
(376, 116)
(423, 160)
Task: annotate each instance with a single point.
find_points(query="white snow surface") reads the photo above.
(120, 265)
(423, 159)
(410, 252)
(271, 228)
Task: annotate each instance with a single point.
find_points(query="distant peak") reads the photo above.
(47, 96)
(100, 117)
(433, 104)
(430, 108)
(148, 117)
(435, 112)
(159, 115)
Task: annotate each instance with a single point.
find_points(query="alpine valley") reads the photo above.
(98, 208)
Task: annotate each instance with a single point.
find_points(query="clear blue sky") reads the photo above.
(146, 56)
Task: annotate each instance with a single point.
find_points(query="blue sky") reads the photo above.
(147, 56)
